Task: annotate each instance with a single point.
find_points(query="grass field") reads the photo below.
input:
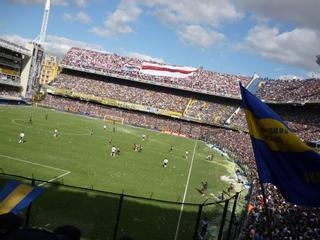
(78, 158)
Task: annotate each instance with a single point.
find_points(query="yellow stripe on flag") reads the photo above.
(14, 198)
(276, 135)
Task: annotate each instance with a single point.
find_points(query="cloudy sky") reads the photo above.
(269, 37)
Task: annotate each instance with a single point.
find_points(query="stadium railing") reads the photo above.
(106, 215)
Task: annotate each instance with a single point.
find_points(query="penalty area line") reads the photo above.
(51, 180)
(185, 192)
(66, 172)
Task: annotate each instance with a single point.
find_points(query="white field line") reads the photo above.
(185, 192)
(51, 180)
(66, 172)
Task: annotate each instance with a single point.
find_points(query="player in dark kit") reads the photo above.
(171, 149)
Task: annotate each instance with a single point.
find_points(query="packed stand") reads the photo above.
(238, 120)
(209, 112)
(131, 94)
(305, 123)
(8, 91)
(201, 80)
(220, 83)
(293, 90)
(288, 221)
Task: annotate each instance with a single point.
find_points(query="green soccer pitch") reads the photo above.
(77, 157)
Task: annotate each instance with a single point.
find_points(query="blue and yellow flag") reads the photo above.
(282, 158)
(16, 196)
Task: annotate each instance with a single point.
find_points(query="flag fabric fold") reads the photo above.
(163, 70)
(282, 158)
(16, 196)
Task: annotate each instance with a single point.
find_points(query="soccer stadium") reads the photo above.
(118, 147)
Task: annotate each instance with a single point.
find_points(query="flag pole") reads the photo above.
(265, 206)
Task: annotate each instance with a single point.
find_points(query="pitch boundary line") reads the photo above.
(66, 172)
(185, 191)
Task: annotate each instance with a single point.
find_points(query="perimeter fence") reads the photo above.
(106, 215)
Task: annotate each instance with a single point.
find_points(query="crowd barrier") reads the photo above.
(106, 215)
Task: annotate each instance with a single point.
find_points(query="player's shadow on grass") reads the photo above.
(95, 213)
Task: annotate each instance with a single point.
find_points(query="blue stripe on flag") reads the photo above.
(27, 200)
(8, 188)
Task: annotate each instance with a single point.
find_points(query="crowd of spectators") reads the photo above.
(220, 83)
(201, 80)
(131, 94)
(209, 112)
(290, 90)
(288, 221)
(8, 91)
(303, 121)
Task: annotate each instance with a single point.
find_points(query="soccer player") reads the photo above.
(118, 152)
(30, 119)
(186, 155)
(55, 133)
(210, 157)
(91, 132)
(204, 188)
(171, 149)
(165, 163)
(21, 137)
(143, 137)
(46, 116)
(104, 127)
(113, 151)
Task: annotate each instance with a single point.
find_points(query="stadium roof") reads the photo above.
(14, 47)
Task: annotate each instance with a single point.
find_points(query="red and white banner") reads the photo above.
(166, 70)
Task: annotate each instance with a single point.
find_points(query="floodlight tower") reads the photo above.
(44, 23)
(37, 49)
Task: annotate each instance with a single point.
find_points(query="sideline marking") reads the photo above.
(185, 191)
(66, 172)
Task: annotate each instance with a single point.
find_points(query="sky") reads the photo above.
(272, 38)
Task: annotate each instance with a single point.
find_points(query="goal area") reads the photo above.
(113, 119)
